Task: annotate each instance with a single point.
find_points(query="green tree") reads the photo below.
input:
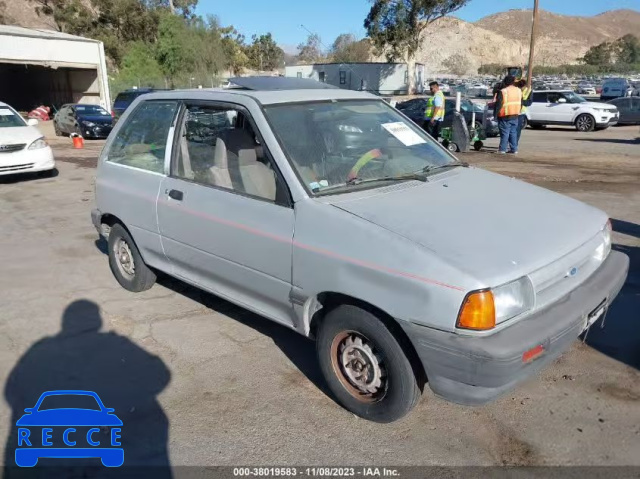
(601, 54)
(627, 49)
(69, 16)
(264, 53)
(396, 27)
(346, 49)
(234, 47)
(311, 50)
(175, 47)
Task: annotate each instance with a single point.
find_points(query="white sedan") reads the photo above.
(22, 147)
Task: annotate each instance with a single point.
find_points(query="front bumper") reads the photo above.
(100, 131)
(474, 370)
(27, 161)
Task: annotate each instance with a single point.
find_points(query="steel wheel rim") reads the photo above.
(124, 258)
(359, 367)
(584, 123)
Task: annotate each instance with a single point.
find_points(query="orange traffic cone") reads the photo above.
(78, 141)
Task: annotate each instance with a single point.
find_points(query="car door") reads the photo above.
(63, 119)
(538, 111)
(635, 109)
(131, 171)
(226, 220)
(624, 107)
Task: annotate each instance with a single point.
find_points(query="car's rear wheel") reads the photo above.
(364, 365)
(585, 123)
(126, 263)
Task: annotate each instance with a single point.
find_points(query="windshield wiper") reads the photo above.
(431, 168)
(408, 176)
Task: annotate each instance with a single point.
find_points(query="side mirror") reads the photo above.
(562, 100)
(32, 122)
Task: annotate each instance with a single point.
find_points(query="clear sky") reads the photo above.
(329, 18)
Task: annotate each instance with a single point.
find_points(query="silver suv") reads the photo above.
(331, 213)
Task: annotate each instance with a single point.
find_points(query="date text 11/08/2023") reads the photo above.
(315, 471)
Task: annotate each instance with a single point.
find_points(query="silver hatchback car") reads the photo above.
(330, 212)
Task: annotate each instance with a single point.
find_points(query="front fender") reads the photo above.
(336, 251)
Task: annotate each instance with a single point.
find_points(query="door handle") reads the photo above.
(175, 195)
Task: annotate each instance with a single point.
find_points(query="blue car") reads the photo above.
(80, 429)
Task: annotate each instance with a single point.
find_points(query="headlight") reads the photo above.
(604, 249)
(89, 124)
(482, 310)
(513, 298)
(39, 143)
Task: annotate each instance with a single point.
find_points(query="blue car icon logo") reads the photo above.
(88, 430)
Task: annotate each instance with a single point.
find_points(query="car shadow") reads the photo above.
(621, 141)
(124, 376)
(24, 177)
(620, 336)
(299, 349)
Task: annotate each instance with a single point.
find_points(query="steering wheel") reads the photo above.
(362, 161)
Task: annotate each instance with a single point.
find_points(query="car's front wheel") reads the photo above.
(585, 123)
(365, 366)
(126, 263)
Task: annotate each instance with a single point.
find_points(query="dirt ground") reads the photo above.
(218, 385)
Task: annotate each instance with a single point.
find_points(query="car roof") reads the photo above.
(266, 97)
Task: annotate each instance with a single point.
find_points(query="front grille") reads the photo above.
(563, 275)
(16, 167)
(10, 148)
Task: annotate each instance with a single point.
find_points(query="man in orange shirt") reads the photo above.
(508, 107)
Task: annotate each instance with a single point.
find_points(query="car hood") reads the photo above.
(19, 134)
(67, 417)
(487, 225)
(103, 119)
(595, 104)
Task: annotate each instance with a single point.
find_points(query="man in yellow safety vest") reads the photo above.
(526, 102)
(434, 113)
(508, 107)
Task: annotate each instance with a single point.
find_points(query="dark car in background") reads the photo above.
(414, 109)
(88, 121)
(125, 98)
(629, 109)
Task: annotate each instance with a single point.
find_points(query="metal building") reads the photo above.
(41, 67)
(382, 78)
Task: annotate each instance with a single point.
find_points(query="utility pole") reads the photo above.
(534, 33)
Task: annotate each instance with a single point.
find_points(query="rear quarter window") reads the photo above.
(141, 142)
(539, 97)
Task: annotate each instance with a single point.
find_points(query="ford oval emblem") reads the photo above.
(573, 272)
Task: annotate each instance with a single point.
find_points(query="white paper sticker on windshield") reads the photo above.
(5, 112)
(402, 132)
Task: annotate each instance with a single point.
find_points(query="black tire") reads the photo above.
(585, 123)
(526, 122)
(478, 145)
(398, 392)
(142, 277)
(452, 147)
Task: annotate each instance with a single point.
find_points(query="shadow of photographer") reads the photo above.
(125, 377)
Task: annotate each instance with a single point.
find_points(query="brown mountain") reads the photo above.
(504, 38)
(589, 30)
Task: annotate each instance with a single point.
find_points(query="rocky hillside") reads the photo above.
(562, 39)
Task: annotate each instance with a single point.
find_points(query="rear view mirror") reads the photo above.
(32, 122)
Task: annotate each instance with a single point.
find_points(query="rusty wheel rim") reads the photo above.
(358, 366)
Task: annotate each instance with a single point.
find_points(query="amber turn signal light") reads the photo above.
(478, 311)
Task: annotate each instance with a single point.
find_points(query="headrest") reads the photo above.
(242, 144)
(220, 155)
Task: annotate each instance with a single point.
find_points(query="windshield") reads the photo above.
(9, 118)
(574, 98)
(90, 110)
(331, 144)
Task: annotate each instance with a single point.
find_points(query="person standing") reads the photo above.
(508, 107)
(526, 102)
(434, 113)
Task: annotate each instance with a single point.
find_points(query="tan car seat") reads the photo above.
(219, 172)
(257, 178)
